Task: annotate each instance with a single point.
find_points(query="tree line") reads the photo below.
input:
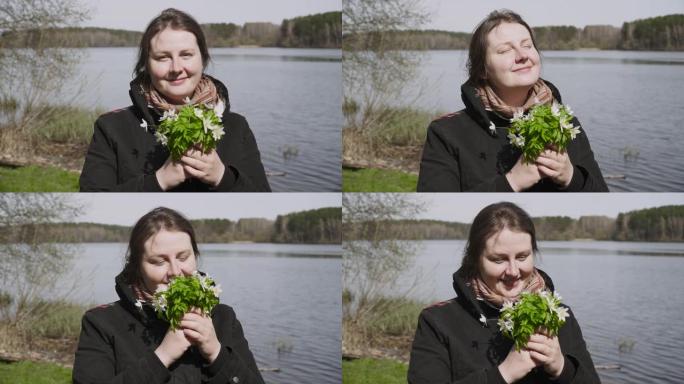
(663, 33)
(322, 30)
(653, 224)
(317, 226)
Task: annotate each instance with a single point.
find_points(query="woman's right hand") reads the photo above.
(170, 174)
(522, 176)
(516, 365)
(172, 347)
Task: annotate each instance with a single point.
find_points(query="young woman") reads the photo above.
(125, 342)
(124, 154)
(470, 151)
(458, 341)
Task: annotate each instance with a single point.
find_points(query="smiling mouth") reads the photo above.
(526, 69)
(177, 81)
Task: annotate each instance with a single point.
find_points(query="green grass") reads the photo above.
(378, 180)
(374, 371)
(67, 124)
(37, 179)
(395, 317)
(27, 372)
(56, 319)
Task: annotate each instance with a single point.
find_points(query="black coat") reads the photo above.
(123, 156)
(461, 153)
(453, 346)
(118, 340)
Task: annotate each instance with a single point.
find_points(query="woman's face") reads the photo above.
(507, 262)
(167, 254)
(175, 64)
(512, 60)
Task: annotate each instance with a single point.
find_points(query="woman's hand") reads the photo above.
(170, 174)
(516, 365)
(556, 166)
(546, 351)
(522, 176)
(172, 347)
(199, 330)
(208, 168)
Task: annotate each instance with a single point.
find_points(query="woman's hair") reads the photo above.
(490, 221)
(176, 20)
(477, 53)
(147, 226)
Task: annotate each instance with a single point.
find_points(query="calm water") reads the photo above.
(290, 97)
(629, 103)
(283, 294)
(618, 291)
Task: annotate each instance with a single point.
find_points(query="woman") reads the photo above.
(124, 154)
(458, 341)
(125, 342)
(470, 151)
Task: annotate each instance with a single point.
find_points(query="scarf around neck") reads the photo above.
(540, 93)
(205, 93)
(535, 283)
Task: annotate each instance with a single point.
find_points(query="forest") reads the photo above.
(322, 30)
(663, 33)
(317, 226)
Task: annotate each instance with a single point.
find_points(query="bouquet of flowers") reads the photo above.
(198, 125)
(518, 321)
(184, 293)
(543, 126)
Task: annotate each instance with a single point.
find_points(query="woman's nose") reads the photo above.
(512, 269)
(176, 66)
(174, 269)
(520, 55)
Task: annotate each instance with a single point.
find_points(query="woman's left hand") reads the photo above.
(556, 166)
(546, 351)
(206, 167)
(199, 330)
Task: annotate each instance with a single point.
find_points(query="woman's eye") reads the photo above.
(498, 261)
(522, 257)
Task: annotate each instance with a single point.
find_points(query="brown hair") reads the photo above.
(477, 52)
(176, 20)
(488, 222)
(147, 226)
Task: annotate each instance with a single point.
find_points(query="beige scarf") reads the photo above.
(539, 94)
(205, 93)
(535, 283)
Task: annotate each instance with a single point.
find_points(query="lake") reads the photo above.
(291, 98)
(285, 295)
(619, 292)
(629, 102)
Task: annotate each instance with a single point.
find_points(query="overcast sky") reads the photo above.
(127, 208)
(463, 16)
(136, 14)
(463, 207)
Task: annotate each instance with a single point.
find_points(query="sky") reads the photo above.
(136, 14)
(126, 208)
(463, 16)
(465, 206)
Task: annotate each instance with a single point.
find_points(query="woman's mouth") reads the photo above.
(177, 81)
(510, 283)
(523, 70)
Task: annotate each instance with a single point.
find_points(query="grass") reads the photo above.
(55, 320)
(395, 317)
(378, 180)
(67, 124)
(27, 372)
(37, 179)
(374, 371)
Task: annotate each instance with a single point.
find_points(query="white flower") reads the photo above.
(219, 108)
(217, 290)
(483, 320)
(518, 115)
(187, 100)
(557, 296)
(506, 305)
(492, 127)
(555, 108)
(161, 138)
(198, 112)
(170, 114)
(161, 288)
(562, 313)
(159, 303)
(565, 124)
(569, 110)
(144, 124)
(516, 140)
(574, 131)
(505, 325)
(138, 304)
(217, 131)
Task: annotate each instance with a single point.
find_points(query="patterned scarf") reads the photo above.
(539, 94)
(535, 283)
(141, 293)
(205, 93)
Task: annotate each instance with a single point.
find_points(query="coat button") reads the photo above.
(235, 379)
